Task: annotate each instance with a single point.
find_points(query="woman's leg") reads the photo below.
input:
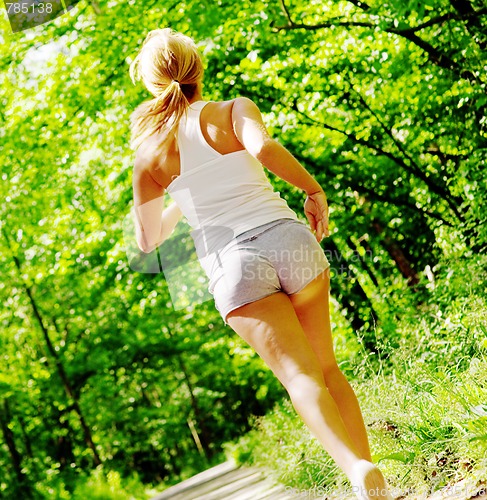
(312, 309)
(272, 328)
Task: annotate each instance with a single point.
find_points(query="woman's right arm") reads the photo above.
(252, 134)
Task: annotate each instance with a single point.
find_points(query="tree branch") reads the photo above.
(285, 10)
(388, 131)
(450, 16)
(401, 201)
(58, 362)
(414, 166)
(435, 55)
(475, 28)
(360, 5)
(399, 161)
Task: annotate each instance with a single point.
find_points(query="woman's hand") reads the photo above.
(316, 210)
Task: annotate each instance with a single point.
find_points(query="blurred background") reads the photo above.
(109, 391)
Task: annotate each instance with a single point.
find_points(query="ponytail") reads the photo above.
(171, 68)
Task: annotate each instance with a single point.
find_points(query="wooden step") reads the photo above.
(228, 481)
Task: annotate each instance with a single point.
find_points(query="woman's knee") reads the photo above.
(305, 385)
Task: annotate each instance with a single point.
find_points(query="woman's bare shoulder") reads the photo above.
(244, 106)
(158, 154)
(155, 144)
(237, 101)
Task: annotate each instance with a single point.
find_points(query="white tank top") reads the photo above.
(221, 196)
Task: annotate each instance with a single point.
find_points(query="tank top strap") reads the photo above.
(193, 148)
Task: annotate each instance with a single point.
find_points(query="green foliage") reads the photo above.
(107, 487)
(384, 103)
(281, 444)
(98, 485)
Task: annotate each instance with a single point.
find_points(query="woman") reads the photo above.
(209, 157)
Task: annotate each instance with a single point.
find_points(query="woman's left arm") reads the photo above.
(153, 223)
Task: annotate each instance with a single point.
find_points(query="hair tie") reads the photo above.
(177, 81)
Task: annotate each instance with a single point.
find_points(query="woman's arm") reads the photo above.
(252, 133)
(153, 223)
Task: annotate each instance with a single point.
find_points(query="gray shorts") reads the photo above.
(282, 255)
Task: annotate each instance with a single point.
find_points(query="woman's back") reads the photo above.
(222, 191)
(216, 125)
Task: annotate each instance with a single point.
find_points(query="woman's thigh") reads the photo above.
(271, 326)
(311, 305)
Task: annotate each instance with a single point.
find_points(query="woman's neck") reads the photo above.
(197, 95)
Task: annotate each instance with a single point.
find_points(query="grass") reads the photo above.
(425, 406)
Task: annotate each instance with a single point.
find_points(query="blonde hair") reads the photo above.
(170, 67)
